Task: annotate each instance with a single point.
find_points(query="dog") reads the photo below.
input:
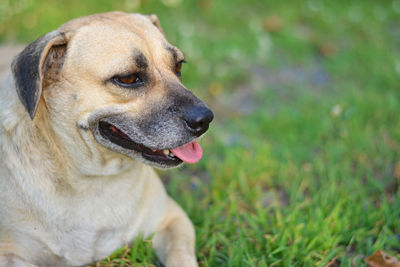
(86, 112)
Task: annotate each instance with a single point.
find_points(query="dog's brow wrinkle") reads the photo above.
(140, 59)
(172, 50)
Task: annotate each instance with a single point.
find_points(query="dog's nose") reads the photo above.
(198, 119)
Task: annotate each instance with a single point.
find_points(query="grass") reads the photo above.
(302, 165)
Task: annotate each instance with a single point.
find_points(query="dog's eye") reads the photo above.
(178, 67)
(130, 81)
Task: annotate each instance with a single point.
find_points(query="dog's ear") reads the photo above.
(156, 22)
(30, 66)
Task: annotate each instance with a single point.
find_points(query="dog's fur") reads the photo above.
(68, 196)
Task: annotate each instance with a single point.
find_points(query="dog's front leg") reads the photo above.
(175, 241)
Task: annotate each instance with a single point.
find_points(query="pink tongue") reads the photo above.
(189, 153)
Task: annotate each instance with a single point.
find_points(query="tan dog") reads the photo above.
(80, 104)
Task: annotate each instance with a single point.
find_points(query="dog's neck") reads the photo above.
(43, 160)
(26, 161)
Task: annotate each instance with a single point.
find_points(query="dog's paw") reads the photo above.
(179, 259)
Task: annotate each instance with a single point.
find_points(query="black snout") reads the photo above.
(198, 119)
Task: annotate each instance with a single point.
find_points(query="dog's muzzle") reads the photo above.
(166, 140)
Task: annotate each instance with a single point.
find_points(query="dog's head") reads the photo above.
(114, 81)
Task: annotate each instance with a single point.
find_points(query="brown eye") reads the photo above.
(129, 81)
(178, 67)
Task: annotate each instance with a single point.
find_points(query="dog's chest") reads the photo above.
(83, 236)
(91, 232)
(92, 228)
(82, 246)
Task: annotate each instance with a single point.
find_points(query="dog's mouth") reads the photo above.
(189, 153)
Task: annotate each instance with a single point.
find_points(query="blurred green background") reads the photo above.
(302, 164)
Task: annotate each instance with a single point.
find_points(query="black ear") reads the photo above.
(29, 68)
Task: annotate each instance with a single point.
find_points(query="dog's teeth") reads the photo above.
(166, 152)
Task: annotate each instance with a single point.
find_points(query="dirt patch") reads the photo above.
(283, 81)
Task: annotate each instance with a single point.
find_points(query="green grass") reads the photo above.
(302, 164)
